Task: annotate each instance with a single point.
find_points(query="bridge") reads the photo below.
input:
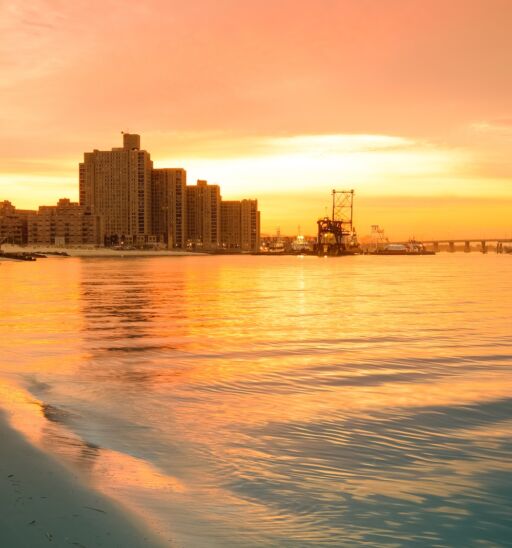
(483, 242)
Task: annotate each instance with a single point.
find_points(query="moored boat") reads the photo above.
(410, 248)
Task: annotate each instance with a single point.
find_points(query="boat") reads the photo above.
(410, 248)
(276, 246)
(300, 245)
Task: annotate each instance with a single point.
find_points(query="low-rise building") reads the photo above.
(13, 223)
(67, 223)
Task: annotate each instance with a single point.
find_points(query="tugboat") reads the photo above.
(300, 245)
(273, 247)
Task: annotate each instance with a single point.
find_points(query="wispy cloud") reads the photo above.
(31, 36)
(502, 126)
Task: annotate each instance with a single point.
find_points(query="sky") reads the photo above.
(408, 102)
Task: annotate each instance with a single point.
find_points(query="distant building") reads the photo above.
(240, 225)
(250, 226)
(203, 215)
(13, 223)
(67, 223)
(116, 185)
(125, 202)
(169, 206)
(230, 225)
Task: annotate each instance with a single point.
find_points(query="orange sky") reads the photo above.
(409, 102)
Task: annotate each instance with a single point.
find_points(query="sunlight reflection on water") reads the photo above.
(253, 401)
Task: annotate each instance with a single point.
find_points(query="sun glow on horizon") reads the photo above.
(291, 176)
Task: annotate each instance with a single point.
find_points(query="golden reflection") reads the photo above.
(230, 386)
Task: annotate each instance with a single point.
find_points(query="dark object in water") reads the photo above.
(18, 256)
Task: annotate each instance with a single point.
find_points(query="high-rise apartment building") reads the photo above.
(67, 223)
(203, 215)
(116, 185)
(230, 221)
(240, 225)
(249, 226)
(169, 206)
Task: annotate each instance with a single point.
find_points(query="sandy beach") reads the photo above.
(98, 251)
(44, 504)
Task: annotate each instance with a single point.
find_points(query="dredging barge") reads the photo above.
(336, 235)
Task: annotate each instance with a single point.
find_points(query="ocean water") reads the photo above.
(274, 401)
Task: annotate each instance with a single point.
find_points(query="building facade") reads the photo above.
(203, 216)
(240, 226)
(230, 225)
(67, 223)
(249, 226)
(124, 202)
(169, 206)
(116, 185)
(13, 224)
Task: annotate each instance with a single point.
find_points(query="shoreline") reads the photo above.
(44, 502)
(99, 252)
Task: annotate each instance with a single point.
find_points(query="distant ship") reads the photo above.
(300, 244)
(275, 246)
(410, 248)
(380, 245)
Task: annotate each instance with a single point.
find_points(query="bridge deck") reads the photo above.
(458, 241)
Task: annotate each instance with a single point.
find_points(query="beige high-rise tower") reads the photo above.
(240, 225)
(203, 215)
(249, 226)
(169, 203)
(230, 218)
(116, 185)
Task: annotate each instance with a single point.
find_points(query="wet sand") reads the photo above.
(44, 504)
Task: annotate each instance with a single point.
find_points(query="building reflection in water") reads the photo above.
(277, 399)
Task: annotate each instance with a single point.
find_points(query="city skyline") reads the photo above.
(410, 104)
(125, 202)
(416, 211)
